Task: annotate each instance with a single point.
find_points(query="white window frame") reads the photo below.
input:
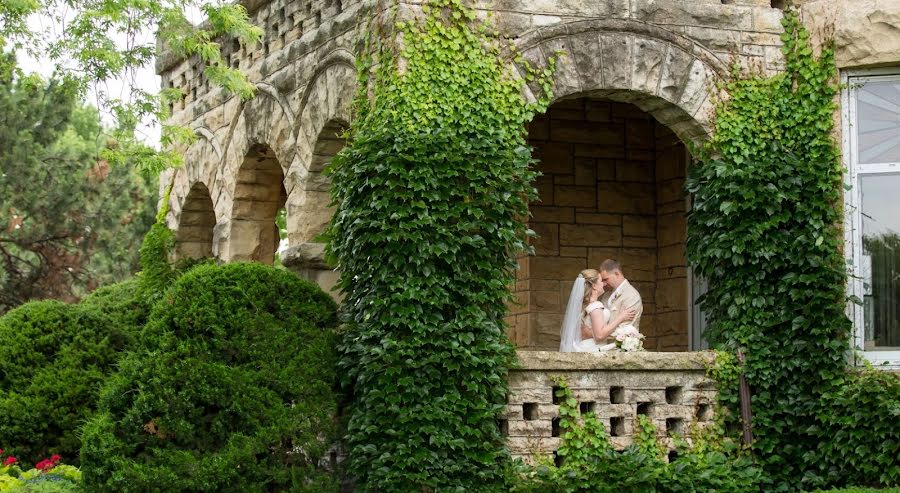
(853, 213)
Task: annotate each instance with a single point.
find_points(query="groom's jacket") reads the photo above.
(623, 298)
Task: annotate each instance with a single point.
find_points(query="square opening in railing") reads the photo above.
(674, 426)
(617, 395)
(673, 395)
(587, 407)
(617, 426)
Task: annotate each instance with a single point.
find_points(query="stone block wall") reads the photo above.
(673, 306)
(611, 187)
(672, 389)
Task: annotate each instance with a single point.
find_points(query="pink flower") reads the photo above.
(10, 461)
(55, 458)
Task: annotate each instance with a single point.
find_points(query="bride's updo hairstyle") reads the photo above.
(590, 277)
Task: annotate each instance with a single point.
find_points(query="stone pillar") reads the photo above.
(307, 260)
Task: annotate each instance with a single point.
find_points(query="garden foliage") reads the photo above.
(230, 389)
(764, 232)
(47, 476)
(431, 194)
(53, 359)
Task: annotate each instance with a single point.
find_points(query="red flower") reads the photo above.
(45, 465)
(55, 458)
(10, 461)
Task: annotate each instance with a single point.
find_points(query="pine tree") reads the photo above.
(69, 222)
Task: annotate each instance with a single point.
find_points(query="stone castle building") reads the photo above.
(635, 84)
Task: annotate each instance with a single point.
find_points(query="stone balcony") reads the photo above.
(672, 389)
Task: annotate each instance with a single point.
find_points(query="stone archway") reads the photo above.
(611, 150)
(197, 221)
(258, 195)
(324, 115)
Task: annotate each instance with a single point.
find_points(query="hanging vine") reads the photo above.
(765, 233)
(431, 193)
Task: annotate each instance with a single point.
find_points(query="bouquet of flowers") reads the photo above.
(628, 338)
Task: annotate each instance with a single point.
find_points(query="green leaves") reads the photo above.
(99, 41)
(764, 232)
(430, 196)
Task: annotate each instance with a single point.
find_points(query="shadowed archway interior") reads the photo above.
(258, 195)
(194, 237)
(611, 187)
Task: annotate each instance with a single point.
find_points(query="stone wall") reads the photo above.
(663, 56)
(611, 187)
(672, 389)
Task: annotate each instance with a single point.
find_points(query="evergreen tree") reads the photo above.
(68, 221)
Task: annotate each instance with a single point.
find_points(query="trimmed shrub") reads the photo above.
(53, 358)
(121, 303)
(231, 390)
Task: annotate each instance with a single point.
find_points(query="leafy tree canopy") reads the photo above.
(96, 41)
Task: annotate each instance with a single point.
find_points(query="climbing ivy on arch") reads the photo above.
(431, 195)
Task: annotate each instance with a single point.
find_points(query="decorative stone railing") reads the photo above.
(672, 389)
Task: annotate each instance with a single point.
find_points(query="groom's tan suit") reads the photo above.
(623, 298)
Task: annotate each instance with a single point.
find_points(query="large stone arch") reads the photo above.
(611, 150)
(663, 73)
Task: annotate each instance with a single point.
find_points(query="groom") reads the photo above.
(619, 293)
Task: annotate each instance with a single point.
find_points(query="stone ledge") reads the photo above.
(305, 256)
(645, 360)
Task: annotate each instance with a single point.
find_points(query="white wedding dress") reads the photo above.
(570, 332)
(590, 345)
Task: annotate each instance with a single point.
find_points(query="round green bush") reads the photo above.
(122, 303)
(232, 389)
(53, 358)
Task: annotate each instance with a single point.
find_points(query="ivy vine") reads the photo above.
(764, 231)
(430, 194)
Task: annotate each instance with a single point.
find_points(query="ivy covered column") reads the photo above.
(431, 196)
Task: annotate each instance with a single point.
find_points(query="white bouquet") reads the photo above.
(628, 338)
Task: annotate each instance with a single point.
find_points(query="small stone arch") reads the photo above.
(325, 114)
(196, 224)
(201, 167)
(268, 119)
(258, 195)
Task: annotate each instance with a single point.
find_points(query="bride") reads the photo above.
(587, 323)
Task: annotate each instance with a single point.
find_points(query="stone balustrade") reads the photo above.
(672, 389)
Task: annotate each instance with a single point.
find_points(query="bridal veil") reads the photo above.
(570, 332)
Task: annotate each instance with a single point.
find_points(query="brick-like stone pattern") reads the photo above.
(672, 389)
(611, 187)
(662, 56)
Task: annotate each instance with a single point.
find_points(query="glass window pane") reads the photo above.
(878, 122)
(881, 260)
